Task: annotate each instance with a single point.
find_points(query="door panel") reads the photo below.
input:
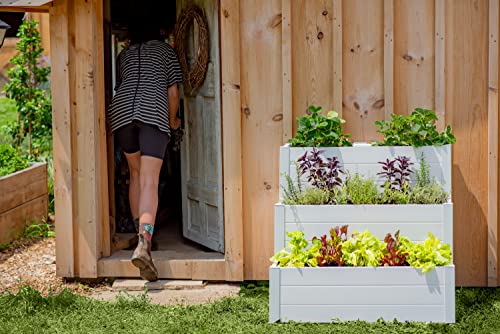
(201, 152)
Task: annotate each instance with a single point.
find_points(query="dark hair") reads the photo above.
(143, 30)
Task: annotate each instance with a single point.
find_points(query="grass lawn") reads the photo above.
(478, 311)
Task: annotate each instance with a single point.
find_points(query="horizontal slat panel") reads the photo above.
(329, 313)
(371, 154)
(414, 231)
(361, 276)
(335, 214)
(363, 295)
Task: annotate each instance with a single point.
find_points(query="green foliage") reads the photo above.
(395, 196)
(423, 174)
(363, 250)
(28, 312)
(340, 195)
(428, 255)
(314, 196)
(299, 255)
(318, 130)
(8, 111)
(27, 77)
(429, 194)
(418, 129)
(10, 160)
(361, 191)
(39, 230)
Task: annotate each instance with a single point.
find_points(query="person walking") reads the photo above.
(142, 114)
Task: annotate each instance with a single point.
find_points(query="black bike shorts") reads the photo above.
(138, 136)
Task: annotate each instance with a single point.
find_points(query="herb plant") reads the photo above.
(330, 252)
(361, 191)
(418, 129)
(299, 255)
(427, 255)
(395, 254)
(321, 174)
(397, 172)
(427, 191)
(318, 130)
(363, 250)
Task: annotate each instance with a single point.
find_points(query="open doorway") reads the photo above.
(189, 222)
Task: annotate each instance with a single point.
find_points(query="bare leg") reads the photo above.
(134, 189)
(149, 178)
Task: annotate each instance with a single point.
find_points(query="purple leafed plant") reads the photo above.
(331, 250)
(320, 173)
(397, 172)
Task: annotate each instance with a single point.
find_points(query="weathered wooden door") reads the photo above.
(201, 155)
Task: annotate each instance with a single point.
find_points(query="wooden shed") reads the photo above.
(270, 59)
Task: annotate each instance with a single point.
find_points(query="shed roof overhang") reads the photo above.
(24, 5)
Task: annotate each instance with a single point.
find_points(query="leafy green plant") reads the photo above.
(10, 160)
(330, 252)
(423, 174)
(27, 77)
(318, 130)
(39, 230)
(418, 129)
(299, 255)
(361, 191)
(363, 250)
(427, 255)
(427, 191)
(340, 195)
(394, 254)
(394, 196)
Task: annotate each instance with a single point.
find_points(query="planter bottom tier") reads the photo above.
(330, 294)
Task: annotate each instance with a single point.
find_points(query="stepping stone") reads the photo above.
(139, 284)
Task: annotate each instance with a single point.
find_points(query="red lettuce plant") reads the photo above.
(321, 174)
(397, 172)
(331, 250)
(394, 254)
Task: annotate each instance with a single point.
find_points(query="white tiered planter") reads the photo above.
(351, 293)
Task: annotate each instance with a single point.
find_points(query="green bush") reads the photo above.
(10, 160)
(361, 191)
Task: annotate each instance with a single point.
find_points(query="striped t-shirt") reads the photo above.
(144, 73)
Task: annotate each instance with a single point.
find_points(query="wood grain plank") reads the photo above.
(261, 99)
(467, 105)
(388, 58)
(414, 55)
(363, 67)
(493, 144)
(62, 124)
(440, 66)
(232, 138)
(312, 40)
(337, 56)
(286, 53)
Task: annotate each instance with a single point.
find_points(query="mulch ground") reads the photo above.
(33, 262)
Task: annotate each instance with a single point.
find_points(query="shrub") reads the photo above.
(318, 130)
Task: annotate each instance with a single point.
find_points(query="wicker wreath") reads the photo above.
(193, 78)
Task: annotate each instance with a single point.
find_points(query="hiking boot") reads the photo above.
(142, 260)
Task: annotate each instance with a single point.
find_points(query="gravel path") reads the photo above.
(33, 262)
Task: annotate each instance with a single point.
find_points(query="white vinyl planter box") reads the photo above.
(413, 221)
(328, 294)
(325, 294)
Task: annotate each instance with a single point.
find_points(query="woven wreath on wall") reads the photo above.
(195, 76)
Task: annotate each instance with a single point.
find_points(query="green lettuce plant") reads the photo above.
(299, 255)
(427, 255)
(318, 130)
(363, 249)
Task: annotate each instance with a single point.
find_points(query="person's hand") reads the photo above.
(175, 123)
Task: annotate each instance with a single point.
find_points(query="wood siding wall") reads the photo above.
(367, 59)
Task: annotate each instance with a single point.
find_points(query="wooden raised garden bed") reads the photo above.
(324, 294)
(23, 198)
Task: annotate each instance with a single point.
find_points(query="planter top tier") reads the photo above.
(363, 158)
